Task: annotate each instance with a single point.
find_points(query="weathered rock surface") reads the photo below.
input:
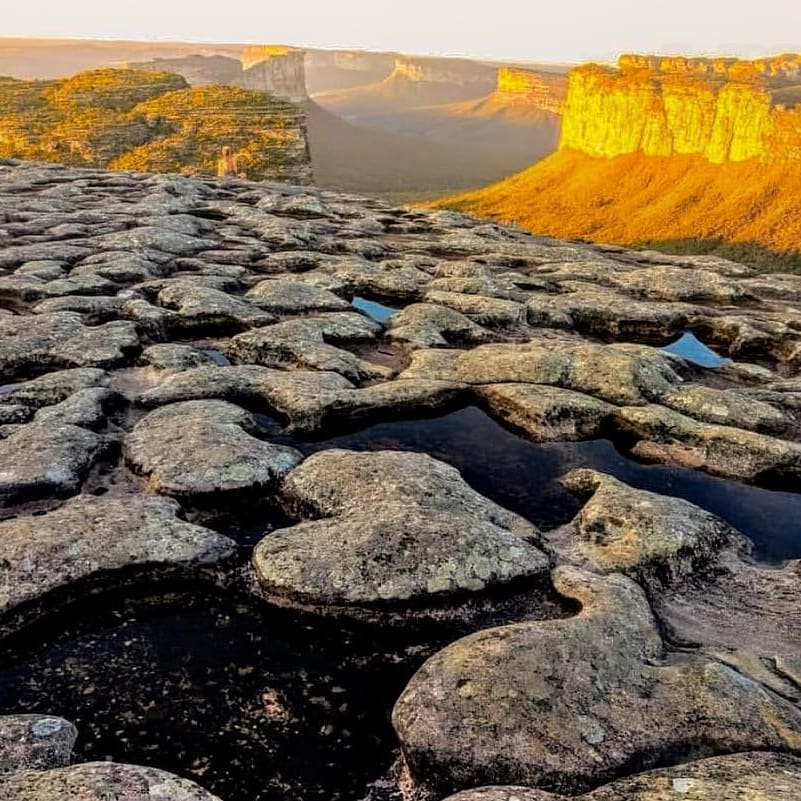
(101, 781)
(204, 448)
(41, 460)
(391, 527)
(34, 742)
(739, 777)
(650, 537)
(97, 537)
(568, 704)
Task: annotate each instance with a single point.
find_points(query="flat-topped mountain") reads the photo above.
(669, 149)
(151, 121)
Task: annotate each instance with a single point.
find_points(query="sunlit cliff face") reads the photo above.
(721, 109)
(535, 88)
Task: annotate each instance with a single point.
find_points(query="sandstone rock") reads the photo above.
(667, 436)
(391, 527)
(547, 414)
(675, 283)
(607, 372)
(42, 460)
(757, 775)
(482, 310)
(91, 539)
(294, 297)
(427, 325)
(200, 449)
(206, 309)
(175, 357)
(568, 704)
(650, 537)
(306, 343)
(34, 742)
(87, 408)
(101, 781)
(44, 342)
(55, 387)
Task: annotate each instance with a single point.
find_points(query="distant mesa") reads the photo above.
(685, 153)
(151, 121)
(545, 91)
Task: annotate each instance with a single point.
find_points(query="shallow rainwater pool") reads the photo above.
(690, 348)
(253, 704)
(523, 475)
(372, 308)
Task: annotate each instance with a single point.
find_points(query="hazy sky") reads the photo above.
(558, 30)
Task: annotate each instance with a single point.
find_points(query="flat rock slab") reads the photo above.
(613, 373)
(741, 777)
(41, 460)
(568, 704)
(391, 527)
(93, 537)
(34, 742)
(653, 538)
(202, 449)
(46, 342)
(294, 297)
(100, 781)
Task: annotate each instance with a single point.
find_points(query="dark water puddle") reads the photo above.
(217, 356)
(255, 705)
(523, 476)
(378, 311)
(690, 348)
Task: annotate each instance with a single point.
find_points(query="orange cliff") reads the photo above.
(542, 90)
(661, 149)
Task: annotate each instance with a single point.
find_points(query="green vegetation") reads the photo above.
(151, 122)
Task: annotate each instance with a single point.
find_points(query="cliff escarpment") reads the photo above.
(542, 90)
(151, 121)
(721, 109)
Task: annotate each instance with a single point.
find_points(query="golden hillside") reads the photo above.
(152, 122)
(669, 151)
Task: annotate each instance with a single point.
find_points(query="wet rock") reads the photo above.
(666, 436)
(101, 781)
(547, 414)
(294, 297)
(568, 704)
(43, 342)
(306, 343)
(34, 742)
(98, 539)
(426, 325)
(390, 528)
(205, 448)
(756, 775)
(41, 460)
(610, 373)
(650, 537)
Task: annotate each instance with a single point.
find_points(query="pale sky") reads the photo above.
(560, 30)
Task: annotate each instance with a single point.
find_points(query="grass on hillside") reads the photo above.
(749, 211)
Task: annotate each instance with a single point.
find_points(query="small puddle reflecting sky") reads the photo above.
(522, 475)
(378, 311)
(691, 348)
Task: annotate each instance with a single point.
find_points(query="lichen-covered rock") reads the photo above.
(611, 373)
(294, 297)
(547, 414)
(307, 344)
(647, 536)
(667, 436)
(427, 325)
(91, 538)
(101, 781)
(42, 460)
(568, 704)
(390, 527)
(738, 777)
(55, 341)
(205, 448)
(34, 742)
